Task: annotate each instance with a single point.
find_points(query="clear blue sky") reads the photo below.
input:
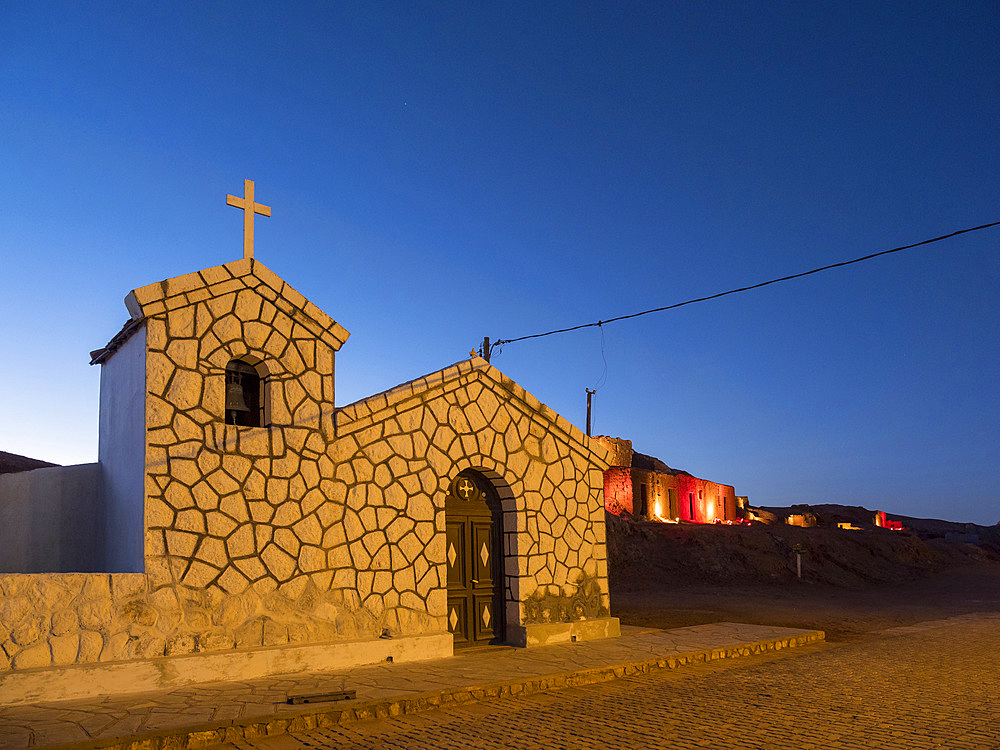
(443, 171)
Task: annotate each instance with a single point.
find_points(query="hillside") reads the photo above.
(926, 528)
(11, 463)
(648, 554)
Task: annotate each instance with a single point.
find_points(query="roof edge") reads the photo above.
(161, 297)
(102, 355)
(181, 291)
(369, 407)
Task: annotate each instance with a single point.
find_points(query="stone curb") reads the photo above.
(206, 735)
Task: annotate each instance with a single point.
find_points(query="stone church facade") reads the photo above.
(247, 526)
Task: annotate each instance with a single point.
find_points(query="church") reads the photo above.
(238, 523)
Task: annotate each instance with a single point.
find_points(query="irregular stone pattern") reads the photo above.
(325, 524)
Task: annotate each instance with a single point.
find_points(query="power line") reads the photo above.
(500, 342)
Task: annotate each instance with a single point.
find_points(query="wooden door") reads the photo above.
(472, 571)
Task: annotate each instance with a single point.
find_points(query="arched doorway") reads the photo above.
(474, 555)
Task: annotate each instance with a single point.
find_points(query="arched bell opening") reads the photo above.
(475, 560)
(246, 396)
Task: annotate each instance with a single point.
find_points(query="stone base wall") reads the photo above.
(78, 618)
(548, 634)
(142, 675)
(61, 619)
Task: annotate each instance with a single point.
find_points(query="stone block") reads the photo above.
(90, 645)
(65, 648)
(222, 483)
(405, 580)
(235, 506)
(280, 564)
(287, 540)
(262, 535)
(251, 567)
(311, 559)
(185, 390)
(199, 575)
(254, 441)
(382, 559)
(274, 634)
(192, 520)
(213, 552)
(180, 543)
(233, 582)
(288, 513)
(308, 530)
(183, 352)
(182, 643)
(64, 621)
(382, 477)
(241, 542)
(139, 611)
(286, 466)
(237, 467)
(312, 501)
(277, 490)
(39, 655)
(219, 524)
(158, 513)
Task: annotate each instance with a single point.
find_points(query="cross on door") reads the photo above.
(466, 488)
(249, 209)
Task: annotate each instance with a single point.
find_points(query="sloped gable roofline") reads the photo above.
(246, 273)
(380, 406)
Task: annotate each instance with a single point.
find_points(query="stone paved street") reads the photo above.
(932, 685)
(211, 713)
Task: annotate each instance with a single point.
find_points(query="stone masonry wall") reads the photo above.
(548, 474)
(320, 526)
(70, 618)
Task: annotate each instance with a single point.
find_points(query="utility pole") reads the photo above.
(486, 348)
(590, 395)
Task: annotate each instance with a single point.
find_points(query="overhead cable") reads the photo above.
(500, 342)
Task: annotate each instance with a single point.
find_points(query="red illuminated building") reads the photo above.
(644, 487)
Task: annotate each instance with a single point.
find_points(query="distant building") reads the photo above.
(885, 522)
(645, 487)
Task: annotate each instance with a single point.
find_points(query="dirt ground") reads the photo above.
(844, 613)
(853, 582)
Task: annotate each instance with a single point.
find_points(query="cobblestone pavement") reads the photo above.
(210, 713)
(931, 685)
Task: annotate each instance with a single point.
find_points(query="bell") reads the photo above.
(234, 398)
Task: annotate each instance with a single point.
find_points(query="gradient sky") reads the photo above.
(440, 172)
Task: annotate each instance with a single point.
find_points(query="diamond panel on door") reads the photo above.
(458, 619)
(482, 550)
(483, 622)
(456, 555)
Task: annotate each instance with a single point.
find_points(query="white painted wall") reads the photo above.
(51, 520)
(121, 452)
